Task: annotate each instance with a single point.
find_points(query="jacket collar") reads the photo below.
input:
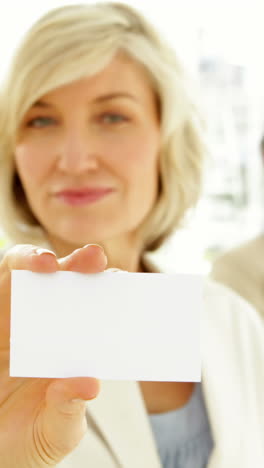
(119, 413)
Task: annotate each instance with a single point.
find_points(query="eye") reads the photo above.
(113, 118)
(39, 122)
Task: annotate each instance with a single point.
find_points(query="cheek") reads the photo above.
(136, 156)
(31, 163)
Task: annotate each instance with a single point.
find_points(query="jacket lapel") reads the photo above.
(120, 415)
(226, 388)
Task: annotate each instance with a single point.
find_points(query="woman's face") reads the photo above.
(87, 155)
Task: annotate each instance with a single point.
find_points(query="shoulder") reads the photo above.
(242, 268)
(226, 310)
(218, 295)
(247, 251)
(233, 341)
(232, 347)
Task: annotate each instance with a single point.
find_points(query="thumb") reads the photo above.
(62, 423)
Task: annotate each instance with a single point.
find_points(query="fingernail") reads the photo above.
(71, 407)
(96, 245)
(115, 270)
(112, 270)
(41, 251)
(93, 245)
(77, 400)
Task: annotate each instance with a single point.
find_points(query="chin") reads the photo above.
(81, 235)
(79, 231)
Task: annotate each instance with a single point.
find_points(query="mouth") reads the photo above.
(82, 196)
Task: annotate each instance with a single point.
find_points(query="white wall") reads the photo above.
(236, 33)
(236, 26)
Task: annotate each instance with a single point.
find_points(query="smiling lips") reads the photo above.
(82, 196)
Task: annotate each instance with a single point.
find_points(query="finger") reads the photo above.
(20, 257)
(89, 259)
(63, 422)
(28, 257)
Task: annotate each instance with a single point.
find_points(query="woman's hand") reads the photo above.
(41, 420)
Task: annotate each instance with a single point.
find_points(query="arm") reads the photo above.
(41, 420)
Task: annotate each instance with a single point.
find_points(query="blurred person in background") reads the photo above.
(101, 143)
(242, 267)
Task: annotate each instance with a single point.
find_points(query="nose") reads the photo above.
(77, 152)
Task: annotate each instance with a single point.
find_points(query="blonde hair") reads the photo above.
(69, 43)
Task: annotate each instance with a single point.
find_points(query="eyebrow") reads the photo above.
(104, 97)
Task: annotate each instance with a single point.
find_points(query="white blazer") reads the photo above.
(119, 433)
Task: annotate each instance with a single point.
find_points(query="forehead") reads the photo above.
(121, 75)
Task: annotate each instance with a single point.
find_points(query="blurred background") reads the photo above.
(220, 44)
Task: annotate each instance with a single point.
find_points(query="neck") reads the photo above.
(122, 253)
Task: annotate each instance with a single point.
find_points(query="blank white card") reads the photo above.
(129, 326)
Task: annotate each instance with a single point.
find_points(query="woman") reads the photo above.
(100, 143)
(241, 267)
